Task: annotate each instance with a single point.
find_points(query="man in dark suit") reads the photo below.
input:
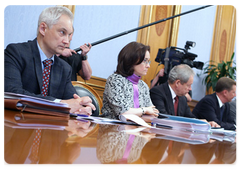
(179, 83)
(162, 78)
(24, 62)
(210, 106)
(173, 92)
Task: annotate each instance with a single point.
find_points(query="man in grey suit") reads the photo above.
(24, 62)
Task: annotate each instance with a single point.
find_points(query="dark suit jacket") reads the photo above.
(23, 72)
(162, 98)
(208, 108)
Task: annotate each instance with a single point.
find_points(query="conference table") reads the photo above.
(84, 142)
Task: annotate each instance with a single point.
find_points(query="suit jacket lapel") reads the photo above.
(169, 99)
(37, 63)
(179, 109)
(226, 112)
(55, 76)
(218, 113)
(56, 71)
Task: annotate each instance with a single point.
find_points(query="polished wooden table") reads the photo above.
(83, 142)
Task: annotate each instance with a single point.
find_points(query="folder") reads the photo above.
(25, 103)
(181, 123)
(19, 119)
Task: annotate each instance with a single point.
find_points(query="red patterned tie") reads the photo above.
(36, 141)
(176, 105)
(46, 75)
(35, 146)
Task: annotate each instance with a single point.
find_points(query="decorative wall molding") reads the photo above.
(223, 41)
(224, 33)
(157, 36)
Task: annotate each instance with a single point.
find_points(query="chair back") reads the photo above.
(85, 90)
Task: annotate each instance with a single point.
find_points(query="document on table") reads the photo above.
(182, 123)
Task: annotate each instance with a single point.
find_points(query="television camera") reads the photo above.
(172, 56)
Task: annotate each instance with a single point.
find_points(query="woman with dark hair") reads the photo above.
(124, 92)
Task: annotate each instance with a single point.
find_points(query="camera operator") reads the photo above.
(173, 56)
(159, 79)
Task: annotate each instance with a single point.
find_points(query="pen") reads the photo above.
(76, 115)
(82, 115)
(83, 120)
(216, 128)
(161, 126)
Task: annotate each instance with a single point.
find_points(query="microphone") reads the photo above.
(166, 60)
(141, 27)
(79, 49)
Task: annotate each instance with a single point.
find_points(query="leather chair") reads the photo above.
(85, 90)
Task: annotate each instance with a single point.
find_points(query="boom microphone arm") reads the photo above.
(141, 27)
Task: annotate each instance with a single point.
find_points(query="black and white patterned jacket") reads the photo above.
(118, 96)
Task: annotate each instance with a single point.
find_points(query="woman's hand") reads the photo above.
(151, 110)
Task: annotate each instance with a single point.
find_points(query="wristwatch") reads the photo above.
(84, 57)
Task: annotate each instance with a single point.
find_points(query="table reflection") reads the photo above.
(114, 146)
(225, 153)
(54, 146)
(108, 144)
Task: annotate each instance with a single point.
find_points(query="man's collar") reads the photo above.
(172, 92)
(42, 55)
(219, 101)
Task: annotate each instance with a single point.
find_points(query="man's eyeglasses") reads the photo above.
(146, 61)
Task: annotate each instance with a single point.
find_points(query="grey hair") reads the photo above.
(180, 72)
(51, 15)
